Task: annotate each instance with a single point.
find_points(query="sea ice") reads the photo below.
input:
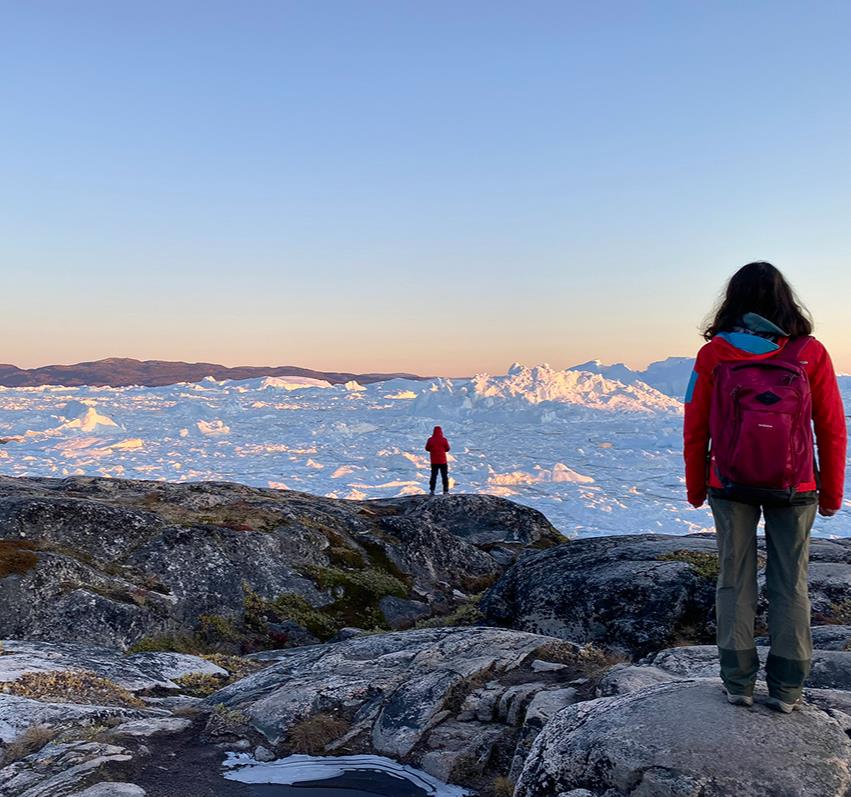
(596, 455)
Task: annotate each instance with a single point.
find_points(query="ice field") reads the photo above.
(597, 455)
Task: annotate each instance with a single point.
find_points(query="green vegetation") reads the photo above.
(839, 613)
(199, 684)
(289, 606)
(362, 586)
(501, 786)
(17, 557)
(583, 661)
(704, 564)
(463, 615)
(205, 644)
(236, 515)
(542, 543)
(225, 721)
(462, 688)
(213, 630)
(134, 596)
(379, 559)
(343, 556)
(30, 741)
(358, 576)
(312, 735)
(78, 686)
(478, 584)
(358, 593)
(204, 684)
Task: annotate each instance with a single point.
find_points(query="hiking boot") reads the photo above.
(740, 700)
(431, 492)
(779, 705)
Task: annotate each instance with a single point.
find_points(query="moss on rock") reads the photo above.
(74, 686)
(289, 606)
(704, 564)
(17, 557)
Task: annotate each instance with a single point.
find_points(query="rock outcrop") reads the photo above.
(61, 770)
(43, 683)
(641, 593)
(139, 672)
(444, 699)
(89, 566)
(828, 685)
(110, 561)
(683, 738)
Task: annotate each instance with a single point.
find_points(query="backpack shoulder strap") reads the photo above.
(793, 349)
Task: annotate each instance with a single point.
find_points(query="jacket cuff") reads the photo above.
(828, 501)
(696, 499)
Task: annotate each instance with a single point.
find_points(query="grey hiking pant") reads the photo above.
(787, 542)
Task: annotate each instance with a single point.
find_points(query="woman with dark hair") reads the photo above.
(760, 385)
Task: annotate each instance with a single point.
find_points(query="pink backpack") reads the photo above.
(760, 423)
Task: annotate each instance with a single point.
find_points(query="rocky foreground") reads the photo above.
(151, 628)
(119, 563)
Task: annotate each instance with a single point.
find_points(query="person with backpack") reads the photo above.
(438, 447)
(760, 385)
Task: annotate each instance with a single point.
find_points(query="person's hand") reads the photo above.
(825, 512)
(697, 504)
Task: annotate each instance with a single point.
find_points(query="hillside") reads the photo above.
(123, 372)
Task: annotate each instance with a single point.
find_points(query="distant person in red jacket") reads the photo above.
(760, 385)
(437, 446)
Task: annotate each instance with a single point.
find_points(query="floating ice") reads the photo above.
(89, 420)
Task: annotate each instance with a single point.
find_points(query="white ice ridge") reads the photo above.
(304, 768)
(523, 388)
(286, 382)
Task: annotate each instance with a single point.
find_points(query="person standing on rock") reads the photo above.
(438, 447)
(760, 385)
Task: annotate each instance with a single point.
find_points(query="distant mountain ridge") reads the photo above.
(123, 372)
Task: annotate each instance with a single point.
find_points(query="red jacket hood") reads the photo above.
(438, 431)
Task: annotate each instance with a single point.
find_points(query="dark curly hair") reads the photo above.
(760, 288)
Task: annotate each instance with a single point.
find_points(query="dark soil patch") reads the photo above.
(180, 764)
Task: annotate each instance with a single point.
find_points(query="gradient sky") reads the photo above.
(441, 187)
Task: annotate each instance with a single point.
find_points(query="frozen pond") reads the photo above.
(343, 776)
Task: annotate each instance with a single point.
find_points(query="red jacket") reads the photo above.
(828, 419)
(437, 446)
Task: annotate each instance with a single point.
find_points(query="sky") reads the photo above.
(437, 187)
